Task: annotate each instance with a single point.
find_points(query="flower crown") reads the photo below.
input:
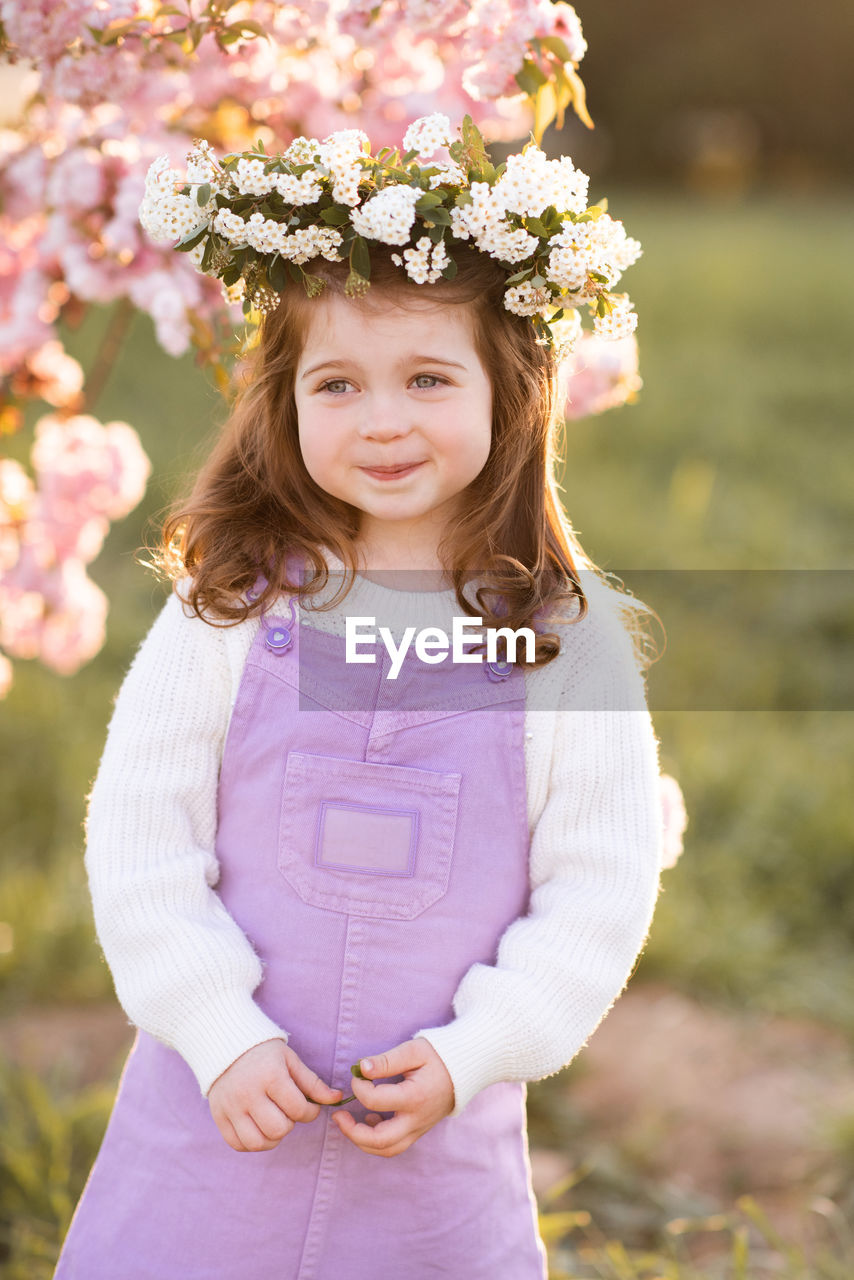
(254, 220)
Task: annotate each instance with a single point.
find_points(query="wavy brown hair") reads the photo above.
(253, 501)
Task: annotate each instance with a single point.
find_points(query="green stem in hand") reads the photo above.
(355, 1070)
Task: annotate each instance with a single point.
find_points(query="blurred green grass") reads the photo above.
(736, 455)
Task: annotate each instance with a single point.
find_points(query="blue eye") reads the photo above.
(433, 379)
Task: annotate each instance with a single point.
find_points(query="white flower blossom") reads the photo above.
(311, 242)
(459, 224)
(574, 262)
(230, 226)
(444, 174)
(265, 234)
(481, 217)
(250, 178)
(427, 134)
(170, 217)
(164, 213)
(302, 150)
(161, 178)
(531, 182)
(440, 258)
(388, 216)
(507, 245)
(202, 165)
(600, 245)
(619, 323)
(340, 153)
(526, 300)
(234, 293)
(565, 333)
(298, 191)
(422, 266)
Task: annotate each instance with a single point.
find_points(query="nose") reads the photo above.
(385, 417)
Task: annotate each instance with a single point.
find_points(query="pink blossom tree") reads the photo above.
(124, 81)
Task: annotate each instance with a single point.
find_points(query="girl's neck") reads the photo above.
(404, 552)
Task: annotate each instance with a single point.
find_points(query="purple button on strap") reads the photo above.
(499, 670)
(278, 639)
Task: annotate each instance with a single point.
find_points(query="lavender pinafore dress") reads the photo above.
(373, 844)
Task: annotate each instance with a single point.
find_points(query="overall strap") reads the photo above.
(279, 631)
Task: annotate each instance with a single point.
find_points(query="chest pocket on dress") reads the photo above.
(367, 839)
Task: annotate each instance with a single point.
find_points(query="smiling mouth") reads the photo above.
(387, 473)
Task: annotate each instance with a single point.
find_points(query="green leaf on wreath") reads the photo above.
(360, 258)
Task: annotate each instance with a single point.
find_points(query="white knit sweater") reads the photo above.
(185, 972)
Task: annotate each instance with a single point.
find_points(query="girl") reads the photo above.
(299, 865)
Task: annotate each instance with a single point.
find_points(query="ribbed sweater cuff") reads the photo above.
(472, 1047)
(218, 1033)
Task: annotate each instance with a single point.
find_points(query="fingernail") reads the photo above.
(367, 1064)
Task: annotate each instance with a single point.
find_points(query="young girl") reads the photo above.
(298, 864)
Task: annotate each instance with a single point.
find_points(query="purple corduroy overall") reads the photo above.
(373, 844)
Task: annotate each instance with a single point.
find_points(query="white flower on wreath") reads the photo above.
(388, 216)
(531, 182)
(298, 191)
(600, 245)
(620, 322)
(442, 174)
(230, 226)
(527, 300)
(202, 165)
(161, 179)
(250, 178)
(310, 242)
(422, 266)
(508, 245)
(339, 153)
(170, 218)
(302, 150)
(566, 333)
(234, 293)
(265, 234)
(426, 134)
(480, 218)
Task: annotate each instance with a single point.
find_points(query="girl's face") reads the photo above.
(395, 417)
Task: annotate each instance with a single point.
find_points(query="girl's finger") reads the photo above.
(229, 1133)
(250, 1135)
(311, 1084)
(271, 1120)
(289, 1098)
(386, 1097)
(375, 1138)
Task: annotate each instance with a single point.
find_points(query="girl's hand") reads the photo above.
(258, 1099)
(424, 1098)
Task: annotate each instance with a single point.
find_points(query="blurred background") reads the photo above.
(713, 1111)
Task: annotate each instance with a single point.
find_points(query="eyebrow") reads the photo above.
(354, 364)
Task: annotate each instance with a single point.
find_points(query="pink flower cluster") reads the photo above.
(486, 41)
(48, 373)
(86, 474)
(73, 174)
(600, 374)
